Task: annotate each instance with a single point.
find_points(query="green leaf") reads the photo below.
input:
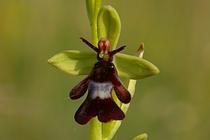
(133, 67)
(141, 137)
(109, 25)
(74, 62)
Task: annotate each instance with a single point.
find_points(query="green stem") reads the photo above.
(95, 129)
(94, 34)
(93, 7)
(95, 125)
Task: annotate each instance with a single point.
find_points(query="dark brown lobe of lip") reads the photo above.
(105, 109)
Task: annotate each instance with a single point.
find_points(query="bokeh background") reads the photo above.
(175, 105)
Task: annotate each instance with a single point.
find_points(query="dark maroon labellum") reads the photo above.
(99, 83)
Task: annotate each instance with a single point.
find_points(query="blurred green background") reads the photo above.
(171, 106)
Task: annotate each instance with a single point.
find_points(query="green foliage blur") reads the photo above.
(171, 106)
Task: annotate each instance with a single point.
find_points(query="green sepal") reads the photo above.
(74, 62)
(109, 25)
(133, 67)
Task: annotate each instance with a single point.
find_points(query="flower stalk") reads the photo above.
(105, 23)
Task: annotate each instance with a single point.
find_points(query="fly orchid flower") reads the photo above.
(102, 73)
(99, 83)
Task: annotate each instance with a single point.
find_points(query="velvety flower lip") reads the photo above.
(105, 109)
(102, 79)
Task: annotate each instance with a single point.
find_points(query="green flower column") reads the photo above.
(105, 23)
